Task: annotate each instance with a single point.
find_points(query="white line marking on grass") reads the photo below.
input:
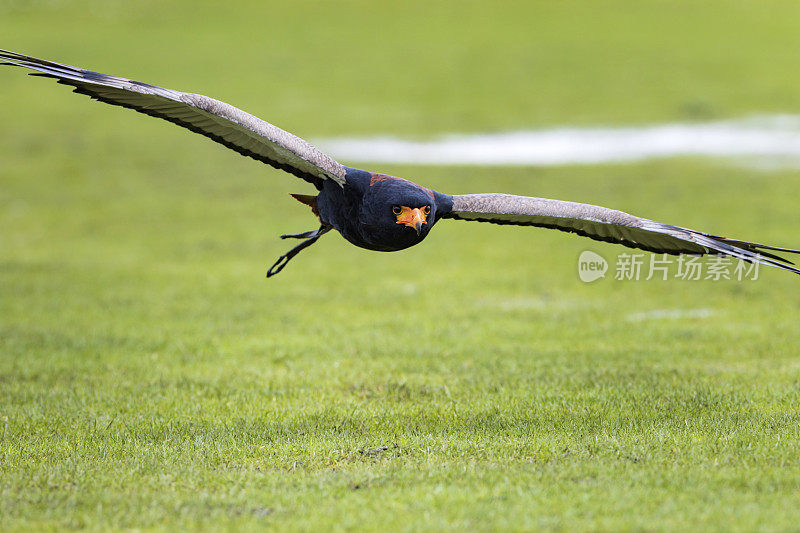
(669, 314)
(524, 303)
(767, 141)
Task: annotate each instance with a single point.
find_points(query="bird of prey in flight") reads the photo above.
(373, 210)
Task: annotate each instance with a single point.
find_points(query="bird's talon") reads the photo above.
(310, 238)
(304, 235)
(278, 265)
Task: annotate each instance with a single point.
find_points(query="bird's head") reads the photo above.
(397, 213)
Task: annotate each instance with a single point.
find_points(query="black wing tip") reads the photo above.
(8, 54)
(759, 249)
(744, 250)
(707, 244)
(752, 252)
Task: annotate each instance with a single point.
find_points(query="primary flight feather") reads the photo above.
(373, 210)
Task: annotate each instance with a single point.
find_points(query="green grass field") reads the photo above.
(151, 378)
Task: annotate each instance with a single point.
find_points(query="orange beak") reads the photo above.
(413, 218)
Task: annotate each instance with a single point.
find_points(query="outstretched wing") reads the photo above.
(609, 225)
(217, 120)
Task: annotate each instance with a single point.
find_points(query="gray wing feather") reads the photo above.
(609, 225)
(232, 127)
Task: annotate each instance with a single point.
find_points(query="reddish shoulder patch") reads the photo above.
(376, 178)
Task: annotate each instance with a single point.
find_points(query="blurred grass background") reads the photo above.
(151, 378)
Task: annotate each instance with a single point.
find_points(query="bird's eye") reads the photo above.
(426, 210)
(397, 209)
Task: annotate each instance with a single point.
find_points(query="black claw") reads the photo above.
(278, 266)
(304, 235)
(310, 236)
